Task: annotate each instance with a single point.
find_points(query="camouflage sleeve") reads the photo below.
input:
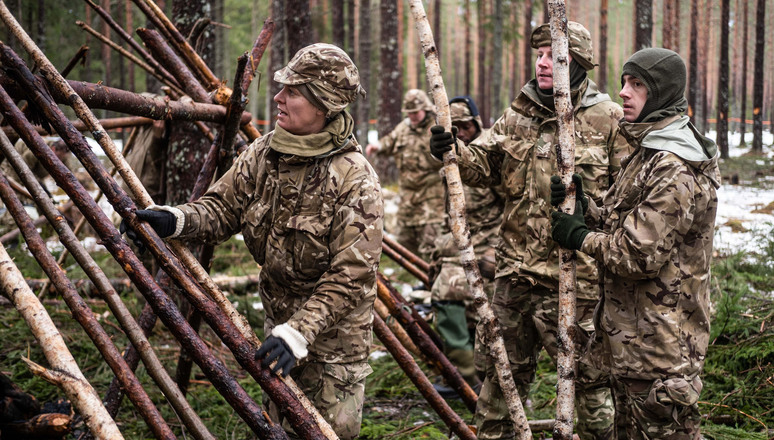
(216, 216)
(480, 162)
(355, 246)
(641, 245)
(387, 142)
(618, 147)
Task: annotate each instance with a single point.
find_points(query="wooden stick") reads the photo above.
(107, 124)
(77, 57)
(397, 330)
(406, 264)
(492, 334)
(417, 376)
(407, 254)
(77, 388)
(565, 158)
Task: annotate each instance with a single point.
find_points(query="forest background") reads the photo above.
(484, 53)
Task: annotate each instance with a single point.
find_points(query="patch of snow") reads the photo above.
(378, 354)
(736, 204)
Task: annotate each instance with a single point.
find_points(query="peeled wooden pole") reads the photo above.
(565, 158)
(434, 355)
(169, 59)
(406, 264)
(492, 334)
(107, 124)
(417, 376)
(405, 253)
(83, 314)
(234, 330)
(397, 330)
(77, 388)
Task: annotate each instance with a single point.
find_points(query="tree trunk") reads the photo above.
(602, 69)
(704, 51)
(350, 33)
(760, 35)
(743, 94)
(528, 64)
(42, 24)
(468, 43)
(693, 75)
(722, 123)
(643, 24)
(483, 91)
(277, 59)
(299, 25)
(670, 30)
(364, 67)
(129, 27)
(391, 77)
(337, 22)
(497, 58)
(437, 24)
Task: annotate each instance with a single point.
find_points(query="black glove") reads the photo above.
(163, 222)
(276, 348)
(569, 230)
(441, 140)
(559, 192)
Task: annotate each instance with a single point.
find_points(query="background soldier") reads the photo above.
(421, 210)
(519, 154)
(452, 300)
(310, 208)
(653, 240)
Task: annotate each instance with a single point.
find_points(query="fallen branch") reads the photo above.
(492, 334)
(76, 387)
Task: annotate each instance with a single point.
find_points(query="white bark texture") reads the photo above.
(493, 336)
(76, 387)
(565, 156)
(143, 199)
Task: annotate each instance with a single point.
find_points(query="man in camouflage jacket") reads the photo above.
(652, 238)
(313, 221)
(421, 210)
(519, 154)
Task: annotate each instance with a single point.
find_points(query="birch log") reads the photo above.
(565, 157)
(77, 389)
(492, 335)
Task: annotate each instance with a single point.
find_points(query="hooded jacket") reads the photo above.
(653, 243)
(314, 224)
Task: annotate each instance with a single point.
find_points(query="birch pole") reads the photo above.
(77, 388)
(565, 158)
(492, 334)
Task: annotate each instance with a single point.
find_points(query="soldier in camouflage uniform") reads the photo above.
(652, 238)
(452, 300)
(519, 154)
(310, 208)
(421, 210)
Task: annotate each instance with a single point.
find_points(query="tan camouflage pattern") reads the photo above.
(328, 72)
(421, 210)
(578, 42)
(656, 410)
(518, 154)
(459, 111)
(336, 390)
(415, 100)
(315, 226)
(528, 317)
(655, 245)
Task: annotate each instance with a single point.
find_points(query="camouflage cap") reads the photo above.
(416, 100)
(460, 112)
(329, 74)
(579, 42)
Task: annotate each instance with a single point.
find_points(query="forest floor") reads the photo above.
(737, 401)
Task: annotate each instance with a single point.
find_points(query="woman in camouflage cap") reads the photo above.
(310, 209)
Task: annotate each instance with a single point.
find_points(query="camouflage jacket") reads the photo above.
(315, 226)
(421, 190)
(518, 154)
(654, 247)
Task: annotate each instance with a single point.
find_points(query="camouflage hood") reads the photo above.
(527, 102)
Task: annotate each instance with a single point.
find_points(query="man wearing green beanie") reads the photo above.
(652, 238)
(518, 155)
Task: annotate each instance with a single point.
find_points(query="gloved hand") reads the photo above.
(441, 140)
(569, 230)
(163, 222)
(559, 192)
(276, 348)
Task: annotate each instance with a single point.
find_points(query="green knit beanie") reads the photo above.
(663, 72)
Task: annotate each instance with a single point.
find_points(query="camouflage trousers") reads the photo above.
(528, 317)
(419, 239)
(336, 390)
(650, 410)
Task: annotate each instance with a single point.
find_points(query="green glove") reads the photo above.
(559, 192)
(569, 230)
